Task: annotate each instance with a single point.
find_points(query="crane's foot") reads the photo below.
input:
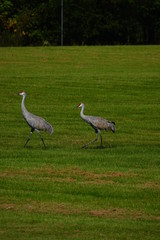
(84, 146)
(90, 142)
(26, 143)
(43, 143)
(101, 146)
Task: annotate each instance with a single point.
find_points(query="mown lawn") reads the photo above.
(66, 192)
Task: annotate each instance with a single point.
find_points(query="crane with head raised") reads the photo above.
(35, 122)
(97, 123)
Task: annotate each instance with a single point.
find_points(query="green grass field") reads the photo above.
(66, 192)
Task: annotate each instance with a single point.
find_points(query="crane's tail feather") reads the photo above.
(113, 129)
(112, 126)
(49, 128)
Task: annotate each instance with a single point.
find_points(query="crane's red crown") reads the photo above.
(21, 93)
(79, 105)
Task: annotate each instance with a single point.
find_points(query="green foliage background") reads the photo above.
(86, 22)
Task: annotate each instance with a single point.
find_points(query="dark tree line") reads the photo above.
(86, 22)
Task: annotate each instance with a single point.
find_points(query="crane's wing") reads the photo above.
(101, 123)
(38, 123)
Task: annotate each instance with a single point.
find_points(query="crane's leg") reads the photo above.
(101, 137)
(32, 130)
(41, 138)
(91, 141)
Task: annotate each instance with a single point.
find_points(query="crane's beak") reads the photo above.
(76, 107)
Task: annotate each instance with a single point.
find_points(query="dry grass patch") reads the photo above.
(67, 175)
(155, 185)
(67, 209)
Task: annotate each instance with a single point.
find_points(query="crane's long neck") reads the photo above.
(82, 114)
(24, 110)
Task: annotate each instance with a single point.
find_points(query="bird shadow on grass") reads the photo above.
(100, 147)
(34, 148)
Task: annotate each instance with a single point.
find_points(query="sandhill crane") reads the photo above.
(35, 122)
(97, 123)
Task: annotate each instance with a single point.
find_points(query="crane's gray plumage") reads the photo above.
(97, 123)
(35, 122)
